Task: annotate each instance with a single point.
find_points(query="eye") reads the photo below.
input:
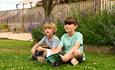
(68, 23)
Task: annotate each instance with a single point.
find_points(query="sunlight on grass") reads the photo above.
(16, 55)
(4, 43)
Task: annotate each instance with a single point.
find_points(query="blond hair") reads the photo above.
(50, 25)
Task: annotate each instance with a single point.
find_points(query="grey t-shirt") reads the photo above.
(52, 43)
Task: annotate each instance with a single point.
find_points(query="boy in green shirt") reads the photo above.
(71, 45)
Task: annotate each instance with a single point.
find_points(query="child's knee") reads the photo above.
(77, 53)
(64, 59)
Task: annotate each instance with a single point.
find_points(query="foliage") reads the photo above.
(37, 34)
(97, 28)
(4, 27)
(60, 30)
(48, 5)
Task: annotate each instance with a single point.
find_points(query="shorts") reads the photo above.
(37, 54)
(80, 58)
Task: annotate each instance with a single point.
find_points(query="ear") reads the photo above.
(76, 26)
(54, 30)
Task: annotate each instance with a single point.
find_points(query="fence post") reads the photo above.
(97, 5)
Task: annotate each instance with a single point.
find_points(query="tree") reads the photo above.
(48, 5)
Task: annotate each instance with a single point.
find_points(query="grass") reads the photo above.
(16, 55)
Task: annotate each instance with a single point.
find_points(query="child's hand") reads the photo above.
(41, 49)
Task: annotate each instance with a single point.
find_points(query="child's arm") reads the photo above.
(77, 43)
(34, 48)
(75, 47)
(40, 48)
(37, 45)
(56, 50)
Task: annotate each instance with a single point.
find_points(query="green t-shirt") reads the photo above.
(68, 42)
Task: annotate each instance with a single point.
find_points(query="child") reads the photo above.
(71, 45)
(49, 40)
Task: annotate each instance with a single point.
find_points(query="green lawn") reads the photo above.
(15, 55)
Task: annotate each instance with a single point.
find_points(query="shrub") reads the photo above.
(97, 28)
(4, 27)
(36, 31)
(37, 34)
(60, 30)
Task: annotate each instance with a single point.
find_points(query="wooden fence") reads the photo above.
(60, 12)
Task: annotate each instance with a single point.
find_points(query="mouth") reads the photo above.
(47, 32)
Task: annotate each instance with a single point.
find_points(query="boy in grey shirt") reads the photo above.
(48, 41)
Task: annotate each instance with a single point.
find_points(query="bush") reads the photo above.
(60, 30)
(98, 29)
(37, 34)
(4, 27)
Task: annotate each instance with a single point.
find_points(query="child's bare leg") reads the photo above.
(66, 57)
(71, 56)
(77, 53)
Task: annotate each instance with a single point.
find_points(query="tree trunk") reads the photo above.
(48, 7)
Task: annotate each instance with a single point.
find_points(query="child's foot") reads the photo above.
(74, 61)
(41, 59)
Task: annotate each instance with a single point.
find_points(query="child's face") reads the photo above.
(48, 31)
(69, 27)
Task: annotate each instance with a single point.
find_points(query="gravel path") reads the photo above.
(16, 36)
